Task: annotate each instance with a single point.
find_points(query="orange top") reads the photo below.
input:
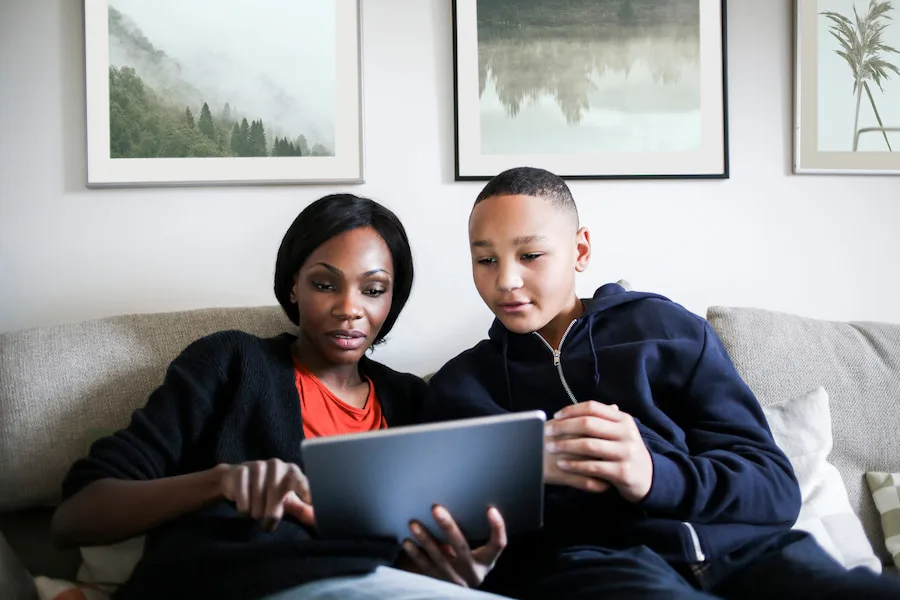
(325, 414)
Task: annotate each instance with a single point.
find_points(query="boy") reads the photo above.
(663, 477)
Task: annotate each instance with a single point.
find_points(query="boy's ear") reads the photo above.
(582, 249)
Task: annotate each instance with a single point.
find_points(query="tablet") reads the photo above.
(373, 484)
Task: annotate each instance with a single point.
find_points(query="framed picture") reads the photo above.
(847, 89)
(193, 92)
(591, 89)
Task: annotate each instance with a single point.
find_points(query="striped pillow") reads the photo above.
(886, 493)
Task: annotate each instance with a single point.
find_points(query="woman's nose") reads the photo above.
(347, 307)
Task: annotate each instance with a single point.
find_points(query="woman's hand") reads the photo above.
(455, 561)
(266, 490)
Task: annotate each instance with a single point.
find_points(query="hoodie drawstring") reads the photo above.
(509, 398)
(590, 323)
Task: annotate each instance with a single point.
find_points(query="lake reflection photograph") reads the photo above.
(563, 79)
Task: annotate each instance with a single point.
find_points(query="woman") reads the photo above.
(210, 467)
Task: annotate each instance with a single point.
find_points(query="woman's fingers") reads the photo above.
(274, 508)
(300, 510)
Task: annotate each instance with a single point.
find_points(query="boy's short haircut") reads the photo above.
(530, 181)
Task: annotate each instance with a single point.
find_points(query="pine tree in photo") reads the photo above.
(226, 113)
(257, 144)
(189, 117)
(301, 145)
(244, 140)
(236, 139)
(206, 125)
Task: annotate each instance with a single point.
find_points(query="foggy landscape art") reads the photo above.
(590, 88)
(848, 87)
(215, 82)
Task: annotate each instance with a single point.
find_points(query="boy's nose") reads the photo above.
(508, 279)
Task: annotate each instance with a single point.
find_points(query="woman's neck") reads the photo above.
(336, 377)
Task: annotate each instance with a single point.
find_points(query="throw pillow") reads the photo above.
(801, 427)
(108, 567)
(885, 489)
(58, 589)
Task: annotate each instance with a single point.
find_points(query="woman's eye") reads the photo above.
(323, 287)
(486, 261)
(375, 292)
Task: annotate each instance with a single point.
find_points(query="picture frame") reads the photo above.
(847, 107)
(591, 89)
(248, 97)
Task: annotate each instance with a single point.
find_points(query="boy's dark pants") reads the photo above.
(790, 565)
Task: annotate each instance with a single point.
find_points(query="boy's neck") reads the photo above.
(554, 330)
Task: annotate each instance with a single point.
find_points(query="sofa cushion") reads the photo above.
(15, 581)
(802, 428)
(886, 494)
(58, 382)
(28, 534)
(781, 356)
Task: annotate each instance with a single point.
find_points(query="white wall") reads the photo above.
(819, 246)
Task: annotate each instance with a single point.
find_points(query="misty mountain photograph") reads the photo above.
(592, 76)
(221, 78)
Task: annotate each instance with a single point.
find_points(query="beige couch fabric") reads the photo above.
(781, 356)
(57, 383)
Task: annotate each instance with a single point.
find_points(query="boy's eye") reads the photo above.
(531, 256)
(486, 261)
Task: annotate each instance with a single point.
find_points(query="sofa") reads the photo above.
(61, 385)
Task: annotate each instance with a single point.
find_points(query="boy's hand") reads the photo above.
(265, 490)
(455, 561)
(600, 442)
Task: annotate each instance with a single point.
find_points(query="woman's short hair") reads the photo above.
(328, 217)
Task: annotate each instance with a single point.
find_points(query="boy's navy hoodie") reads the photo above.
(719, 481)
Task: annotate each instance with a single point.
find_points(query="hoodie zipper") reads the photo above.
(557, 360)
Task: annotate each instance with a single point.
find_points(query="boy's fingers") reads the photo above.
(435, 555)
(587, 426)
(594, 470)
(590, 408)
(456, 539)
(420, 559)
(587, 447)
(582, 482)
(491, 551)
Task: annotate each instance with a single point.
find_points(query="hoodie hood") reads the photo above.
(532, 347)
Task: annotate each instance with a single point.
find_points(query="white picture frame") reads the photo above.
(335, 116)
(831, 113)
(478, 110)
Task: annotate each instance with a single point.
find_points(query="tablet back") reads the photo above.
(373, 484)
